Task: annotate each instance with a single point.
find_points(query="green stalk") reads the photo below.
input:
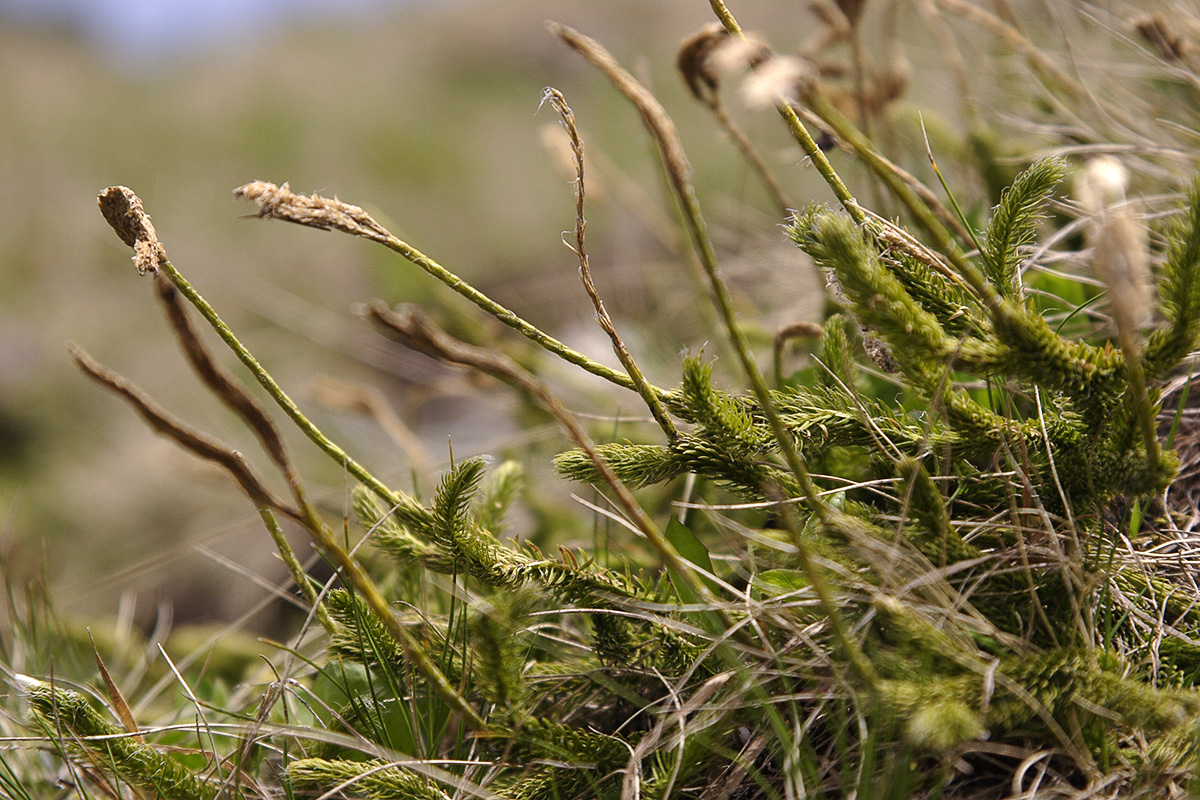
(511, 319)
(352, 570)
(295, 568)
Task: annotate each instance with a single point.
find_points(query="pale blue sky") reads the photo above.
(157, 28)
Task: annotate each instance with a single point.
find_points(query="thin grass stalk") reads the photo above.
(235, 396)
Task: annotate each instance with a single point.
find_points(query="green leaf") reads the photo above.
(687, 545)
(693, 551)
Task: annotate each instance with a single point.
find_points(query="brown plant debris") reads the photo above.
(693, 60)
(123, 211)
(711, 53)
(313, 211)
(657, 121)
(1155, 29)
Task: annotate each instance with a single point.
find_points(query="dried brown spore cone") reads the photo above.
(123, 210)
(314, 211)
(693, 57)
(711, 53)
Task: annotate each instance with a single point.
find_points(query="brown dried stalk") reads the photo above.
(555, 98)
(190, 439)
(123, 210)
(666, 138)
(679, 171)
(116, 698)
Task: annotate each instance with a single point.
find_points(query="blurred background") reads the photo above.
(426, 114)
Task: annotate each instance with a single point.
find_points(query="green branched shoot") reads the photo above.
(67, 716)
(1014, 224)
(1178, 291)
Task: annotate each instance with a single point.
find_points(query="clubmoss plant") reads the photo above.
(910, 569)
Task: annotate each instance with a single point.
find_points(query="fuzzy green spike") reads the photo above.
(1032, 351)
(377, 780)
(1014, 224)
(500, 653)
(637, 465)
(928, 509)
(613, 641)
(396, 539)
(955, 310)
(878, 297)
(359, 635)
(69, 717)
(726, 420)
(452, 502)
(501, 488)
(836, 356)
(1178, 292)
(537, 738)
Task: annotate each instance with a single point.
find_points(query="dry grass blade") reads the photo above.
(1010, 35)
(559, 103)
(114, 693)
(185, 436)
(666, 135)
